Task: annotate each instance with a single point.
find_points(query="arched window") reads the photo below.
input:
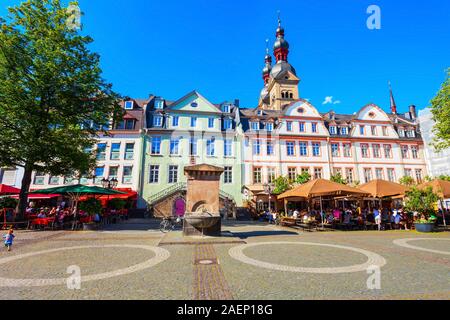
(282, 95)
(291, 95)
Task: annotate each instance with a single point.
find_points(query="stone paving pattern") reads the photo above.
(408, 274)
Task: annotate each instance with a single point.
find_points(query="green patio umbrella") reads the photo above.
(75, 192)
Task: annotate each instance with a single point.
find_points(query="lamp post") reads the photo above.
(268, 188)
(109, 184)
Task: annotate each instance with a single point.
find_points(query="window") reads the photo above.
(333, 130)
(314, 127)
(101, 151)
(419, 175)
(305, 170)
(365, 150)
(302, 126)
(174, 146)
(376, 151)
(173, 174)
(68, 180)
(254, 126)
(347, 150)
(228, 175)
(303, 149)
(127, 175)
(257, 177)
(193, 122)
(415, 152)
(388, 151)
(257, 147)
(193, 147)
(271, 176)
(290, 148)
(113, 172)
(115, 151)
(349, 175)
(289, 126)
(227, 124)
(228, 147)
(128, 105)
(335, 149)
(175, 121)
(367, 175)
(210, 122)
(270, 148)
(39, 178)
(159, 104)
(154, 174)
(120, 125)
(157, 121)
(374, 130)
(385, 131)
(316, 149)
(292, 174)
(210, 147)
(408, 173)
(317, 173)
(129, 124)
(226, 108)
(344, 131)
(362, 130)
(401, 132)
(410, 133)
(269, 127)
(379, 174)
(53, 180)
(84, 179)
(337, 171)
(391, 174)
(405, 152)
(129, 151)
(99, 174)
(156, 145)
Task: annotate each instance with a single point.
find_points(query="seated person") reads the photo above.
(41, 215)
(347, 218)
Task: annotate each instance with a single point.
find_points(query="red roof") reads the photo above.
(4, 189)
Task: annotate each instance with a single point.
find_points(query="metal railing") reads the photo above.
(181, 186)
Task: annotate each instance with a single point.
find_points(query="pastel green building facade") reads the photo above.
(187, 132)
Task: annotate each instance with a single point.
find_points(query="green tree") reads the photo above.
(303, 178)
(407, 181)
(282, 185)
(444, 177)
(422, 201)
(91, 206)
(338, 178)
(440, 107)
(53, 99)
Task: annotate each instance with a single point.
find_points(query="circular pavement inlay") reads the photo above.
(404, 243)
(373, 259)
(160, 256)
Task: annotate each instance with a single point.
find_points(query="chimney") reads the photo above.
(236, 102)
(412, 112)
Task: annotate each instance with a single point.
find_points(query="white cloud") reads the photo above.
(337, 102)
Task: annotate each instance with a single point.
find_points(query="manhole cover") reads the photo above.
(206, 262)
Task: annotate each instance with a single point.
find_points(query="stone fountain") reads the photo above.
(202, 216)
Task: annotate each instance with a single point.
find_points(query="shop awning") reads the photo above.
(38, 196)
(4, 190)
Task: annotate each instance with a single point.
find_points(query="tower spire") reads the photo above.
(268, 66)
(393, 105)
(281, 46)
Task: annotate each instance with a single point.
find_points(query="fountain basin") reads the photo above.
(203, 221)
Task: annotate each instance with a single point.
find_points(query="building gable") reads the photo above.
(302, 108)
(194, 102)
(372, 112)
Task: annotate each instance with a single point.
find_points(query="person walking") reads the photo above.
(9, 238)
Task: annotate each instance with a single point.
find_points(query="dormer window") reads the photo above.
(159, 104)
(227, 124)
(226, 108)
(410, 134)
(157, 121)
(332, 130)
(129, 105)
(401, 132)
(260, 113)
(269, 126)
(344, 130)
(254, 126)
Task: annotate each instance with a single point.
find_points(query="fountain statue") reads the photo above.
(202, 201)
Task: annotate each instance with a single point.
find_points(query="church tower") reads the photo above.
(281, 81)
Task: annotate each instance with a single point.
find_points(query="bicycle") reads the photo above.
(169, 224)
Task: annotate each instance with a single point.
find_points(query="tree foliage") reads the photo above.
(53, 99)
(303, 178)
(421, 201)
(91, 206)
(282, 185)
(444, 177)
(407, 181)
(338, 178)
(8, 203)
(440, 107)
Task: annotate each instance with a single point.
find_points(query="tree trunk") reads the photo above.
(23, 197)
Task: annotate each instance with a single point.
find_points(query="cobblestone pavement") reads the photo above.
(130, 261)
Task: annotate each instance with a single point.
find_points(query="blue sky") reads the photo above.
(217, 47)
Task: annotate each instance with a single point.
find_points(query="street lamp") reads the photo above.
(268, 188)
(110, 184)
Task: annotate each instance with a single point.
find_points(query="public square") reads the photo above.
(256, 261)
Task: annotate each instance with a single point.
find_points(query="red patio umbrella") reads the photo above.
(5, 190)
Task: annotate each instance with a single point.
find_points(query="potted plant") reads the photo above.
(91, 207)
(424, 203)
(117, 205)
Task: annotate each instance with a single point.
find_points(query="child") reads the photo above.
(9, 237)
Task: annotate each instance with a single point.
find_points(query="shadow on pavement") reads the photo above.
(252, 234)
